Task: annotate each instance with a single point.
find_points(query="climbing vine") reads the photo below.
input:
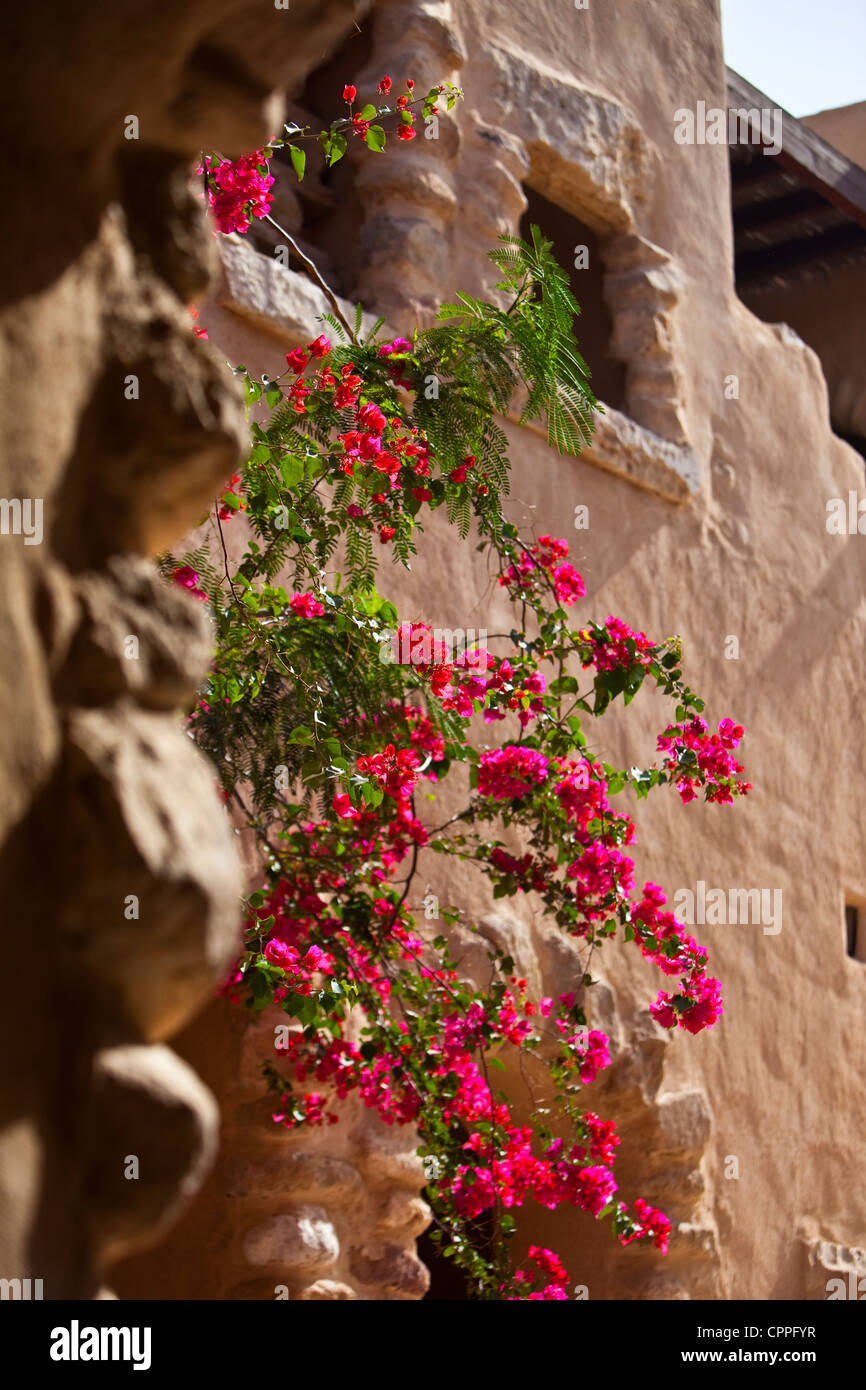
(336, 728)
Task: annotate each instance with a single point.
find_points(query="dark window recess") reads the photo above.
(594, 327)
(448, 1283)
(852, 927)
(857, 441)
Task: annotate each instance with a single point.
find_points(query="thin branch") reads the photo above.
(317, 276)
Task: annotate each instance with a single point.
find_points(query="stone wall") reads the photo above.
(118, 871)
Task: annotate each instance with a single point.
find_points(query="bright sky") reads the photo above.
(806, 55)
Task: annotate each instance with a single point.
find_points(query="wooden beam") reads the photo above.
(805, 154)
(778, 212)
(789, 260)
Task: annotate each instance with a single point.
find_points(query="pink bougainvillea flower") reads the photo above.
(186, 578)
(297, 359)
(306, 605)
(197, 330)
(238, 190)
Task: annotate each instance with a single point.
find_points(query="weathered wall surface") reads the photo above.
(332, 1215)
(844, 127)
(707, 517)
(118, 872)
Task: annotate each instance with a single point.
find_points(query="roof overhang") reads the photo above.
(798, 212)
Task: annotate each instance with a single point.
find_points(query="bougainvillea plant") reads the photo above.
(329, 721)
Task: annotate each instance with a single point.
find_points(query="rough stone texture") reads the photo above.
(707, 518)
(303, 1239)
(276, 301)
(583, 147)
(145, 825)
(327, 1290)
(133, 635)
(328, 1215)
(410, 201)
(118, 869)
(142, 1101)
(642, 287)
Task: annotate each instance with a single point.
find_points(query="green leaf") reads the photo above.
(299, 160)
(306, 1009)
(292, 470)
(301, 735)
(334, 145)
(338, 145)
(376, 139)
(369, 113)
